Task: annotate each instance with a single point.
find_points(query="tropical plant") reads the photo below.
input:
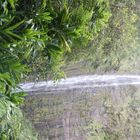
(73, 24)
(116, 45)
(34, 37)
(13, 126)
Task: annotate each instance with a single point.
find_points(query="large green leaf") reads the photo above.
(13, 27)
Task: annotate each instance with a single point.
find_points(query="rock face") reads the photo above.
(62, 116)
(67, 113)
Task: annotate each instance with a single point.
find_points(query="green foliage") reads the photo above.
(96, 131)
(116, 45)
(72, 25)
(13, 126)
(119, 121)
(37, 36)
(34, 37)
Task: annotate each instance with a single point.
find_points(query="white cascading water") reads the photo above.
(88, 82)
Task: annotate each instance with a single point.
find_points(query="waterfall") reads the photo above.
(65, 109)
(86, 82)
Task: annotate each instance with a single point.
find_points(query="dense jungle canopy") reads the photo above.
(40, 37)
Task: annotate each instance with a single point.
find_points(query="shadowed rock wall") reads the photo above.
(66, 115)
